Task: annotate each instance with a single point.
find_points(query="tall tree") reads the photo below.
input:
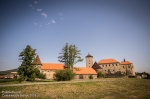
(70, 55)
(27, 70)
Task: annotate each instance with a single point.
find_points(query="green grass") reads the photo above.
(107, 88)
(15, 81)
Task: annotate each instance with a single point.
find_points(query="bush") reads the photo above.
(90, 77)
(42, 76)
(64, 75)
(21, 78)
(99, 75)
(123, 75)
(7, 80)
(148, 74)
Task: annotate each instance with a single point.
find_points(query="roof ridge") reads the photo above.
(52, 63)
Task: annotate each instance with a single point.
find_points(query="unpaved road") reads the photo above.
(59, 82)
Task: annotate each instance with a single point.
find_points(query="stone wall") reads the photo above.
(84, 76)
(49, 73)
(89, 61)
(117, 68)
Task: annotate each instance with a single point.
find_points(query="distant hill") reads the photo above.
(8, 71)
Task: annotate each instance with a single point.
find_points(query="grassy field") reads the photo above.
(15, 81)
(107, 88)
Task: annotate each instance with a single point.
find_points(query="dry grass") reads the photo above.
(113, 88)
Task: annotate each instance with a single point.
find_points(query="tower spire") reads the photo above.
(37, 61)
(89, 60)
(124, 60)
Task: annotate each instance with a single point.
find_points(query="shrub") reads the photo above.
(90, 77)
(15, 76)
(7, 80)
(99, 75)
(21, 78)
(64, 75)
(42, 76)
(122, 75)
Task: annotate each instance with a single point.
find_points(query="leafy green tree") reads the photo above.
(26, 70)
(99, 75)
(70, 55)
(90, 77)
(64, 75)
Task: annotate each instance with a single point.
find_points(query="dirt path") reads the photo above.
(59, 82)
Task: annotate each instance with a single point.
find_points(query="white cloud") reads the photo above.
(39, 9)
(35, 2)
(44, 14)
(61, 18)
(53, 21)
(48, 23)
(31, 6)
(60, 13)
(40, 25)
(35, 23)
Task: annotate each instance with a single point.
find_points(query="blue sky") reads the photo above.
(104, 28)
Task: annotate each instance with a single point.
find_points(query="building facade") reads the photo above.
(112, 66)
(89, 61)
(106, 66)
(50, 68)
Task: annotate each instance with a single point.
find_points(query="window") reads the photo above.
(116, 64)
(123, 66)
(113, 70)
(109, 64)
(128, 66)
(113, 64)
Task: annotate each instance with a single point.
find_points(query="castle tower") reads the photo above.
(89, 60)
(37, 62)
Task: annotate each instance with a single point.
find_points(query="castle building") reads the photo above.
(106, 66)
(112, 66)
(127, 67)
(49, 69)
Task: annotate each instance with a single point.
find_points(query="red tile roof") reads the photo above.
(104, 61)
(52, 66)
(84, 70)
(125, 63)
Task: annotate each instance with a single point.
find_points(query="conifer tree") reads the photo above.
(70, 55)
(27, 70)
